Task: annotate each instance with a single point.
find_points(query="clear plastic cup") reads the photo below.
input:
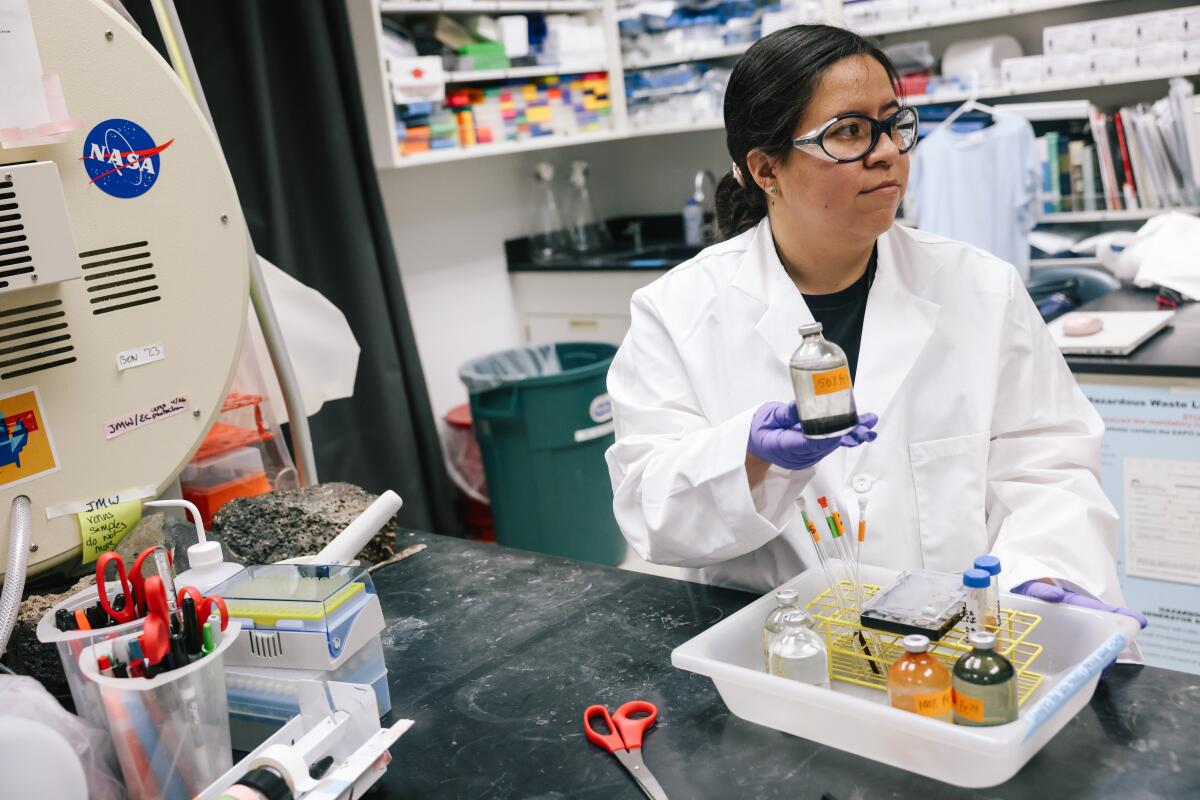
(71, 643)
(171, 732)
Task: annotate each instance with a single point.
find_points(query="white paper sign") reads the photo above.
(22, 98)
(1162, 519)
(146, 416)
(140, 356)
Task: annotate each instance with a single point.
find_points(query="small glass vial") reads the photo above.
(799, 653)
(985, 685)
(786, 600)
(918, 682)
(821, 379)
(979, 615)
(991, 565)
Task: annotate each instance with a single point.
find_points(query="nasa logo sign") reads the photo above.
(122, 158)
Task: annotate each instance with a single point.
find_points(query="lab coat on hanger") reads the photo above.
(986, 443)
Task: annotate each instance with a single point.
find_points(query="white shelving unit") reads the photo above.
(485, 6)
(1050, 263)
(482, 75)
(1083, 217)
(366, 29)
(1130, 215)
(366, 16)
(1049, 87)
(506, 148)
(700, 55)
(954, 16)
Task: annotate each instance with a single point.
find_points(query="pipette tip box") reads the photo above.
(308, 622)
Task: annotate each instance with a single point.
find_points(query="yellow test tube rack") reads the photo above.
(862, 656)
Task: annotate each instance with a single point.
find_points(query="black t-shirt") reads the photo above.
(841, 314)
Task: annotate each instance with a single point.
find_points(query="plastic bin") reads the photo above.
(860, 720)
(212, 482)
(171, 732)
(71, 643)
(543, 418)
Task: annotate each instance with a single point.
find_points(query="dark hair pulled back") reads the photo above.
(768, 92)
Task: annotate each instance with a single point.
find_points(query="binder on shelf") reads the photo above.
(1127, 180)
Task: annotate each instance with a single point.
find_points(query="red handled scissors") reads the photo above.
(132, 584)
(155, 638)
(624, 740)
(204, 605)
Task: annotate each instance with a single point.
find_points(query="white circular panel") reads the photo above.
(162, 274)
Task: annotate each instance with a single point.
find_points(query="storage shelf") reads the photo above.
(484, 6)
(1113, 216)
(675, 127)
(1048, 87)
(707, 55)
(1049, 263)
(510, 73)
(504, 148)
(1066, 217)
(948, 17)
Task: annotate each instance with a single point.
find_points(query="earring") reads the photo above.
(772, 189)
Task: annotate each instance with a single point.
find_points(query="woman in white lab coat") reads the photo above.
(984, 442)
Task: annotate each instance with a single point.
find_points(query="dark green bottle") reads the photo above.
(985, 684)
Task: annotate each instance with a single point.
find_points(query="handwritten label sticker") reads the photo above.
(138, 419)
(102, 528)
(26, 448)
(968, 707)
(832, 380)
(934, 704)
(140, 356)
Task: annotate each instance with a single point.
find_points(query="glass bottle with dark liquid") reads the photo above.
(821, 380)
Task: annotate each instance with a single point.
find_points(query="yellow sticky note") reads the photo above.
(103, 528)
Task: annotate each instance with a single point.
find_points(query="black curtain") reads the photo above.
(281, 82)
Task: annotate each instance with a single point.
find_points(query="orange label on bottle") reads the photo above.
(933, 704)
(830, 381)
(968, 707)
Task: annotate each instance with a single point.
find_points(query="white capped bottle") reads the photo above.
(206, 566)
(821, 380)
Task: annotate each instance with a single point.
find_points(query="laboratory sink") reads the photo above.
(648, 242)
(662, 256)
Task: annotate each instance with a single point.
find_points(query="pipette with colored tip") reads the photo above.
(824, 559)
(844, 553)
(850, 567)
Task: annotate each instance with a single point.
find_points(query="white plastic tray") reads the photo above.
(1078, 644)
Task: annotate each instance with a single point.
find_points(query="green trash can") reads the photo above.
(543, 419)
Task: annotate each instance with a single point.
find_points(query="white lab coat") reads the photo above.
(985, 442)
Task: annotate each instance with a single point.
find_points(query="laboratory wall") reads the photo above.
(449, 222)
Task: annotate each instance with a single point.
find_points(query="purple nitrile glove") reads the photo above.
(1057, 594)
(776, 436)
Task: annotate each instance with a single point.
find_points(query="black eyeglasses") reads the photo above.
(850, 137)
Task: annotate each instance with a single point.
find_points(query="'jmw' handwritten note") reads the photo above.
(138, 419)
(102, 528)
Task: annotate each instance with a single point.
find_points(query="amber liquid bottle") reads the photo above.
(919, 683)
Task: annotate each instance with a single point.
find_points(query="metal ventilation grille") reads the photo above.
(14, 250)
(119, 277)
(30, 334)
